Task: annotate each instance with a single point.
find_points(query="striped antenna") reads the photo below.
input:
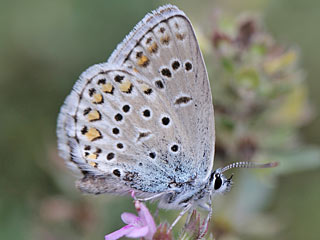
(249, 165)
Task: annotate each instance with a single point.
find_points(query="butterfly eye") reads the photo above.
(217, 182)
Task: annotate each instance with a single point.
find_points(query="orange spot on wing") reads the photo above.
(94, 115)
(165, 40)
(153, 48)
(97, 98)
(92, 156)
(143, 61)
(93, 134)
(107, 88)
(93, 164)
(125, 86)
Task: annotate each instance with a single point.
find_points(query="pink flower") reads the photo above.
(142, 225)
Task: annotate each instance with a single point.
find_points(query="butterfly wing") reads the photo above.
(143, 120)
(164, 49)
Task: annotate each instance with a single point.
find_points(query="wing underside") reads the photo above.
(143, 120)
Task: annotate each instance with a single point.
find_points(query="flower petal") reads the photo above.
(129, 218)
(146, 217)
(138, 232)
(119, 233)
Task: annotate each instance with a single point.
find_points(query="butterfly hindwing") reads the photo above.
(104, 130)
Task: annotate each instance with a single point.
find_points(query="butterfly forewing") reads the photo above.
(165, 51)
(143, 120)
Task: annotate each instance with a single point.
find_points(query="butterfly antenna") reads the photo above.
(249, 165)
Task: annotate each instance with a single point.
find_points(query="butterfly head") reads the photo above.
(219, 183)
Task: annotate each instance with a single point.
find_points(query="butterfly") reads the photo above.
(144, 120)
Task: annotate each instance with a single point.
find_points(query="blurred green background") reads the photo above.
(45, 45)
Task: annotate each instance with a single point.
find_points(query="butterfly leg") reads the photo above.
(208, 207)
(188, 218)
(183, 212)
(152, 197)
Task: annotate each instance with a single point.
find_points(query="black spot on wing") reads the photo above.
(183, 100)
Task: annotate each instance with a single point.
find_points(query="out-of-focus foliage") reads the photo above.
(45, 45)
(260, 97)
